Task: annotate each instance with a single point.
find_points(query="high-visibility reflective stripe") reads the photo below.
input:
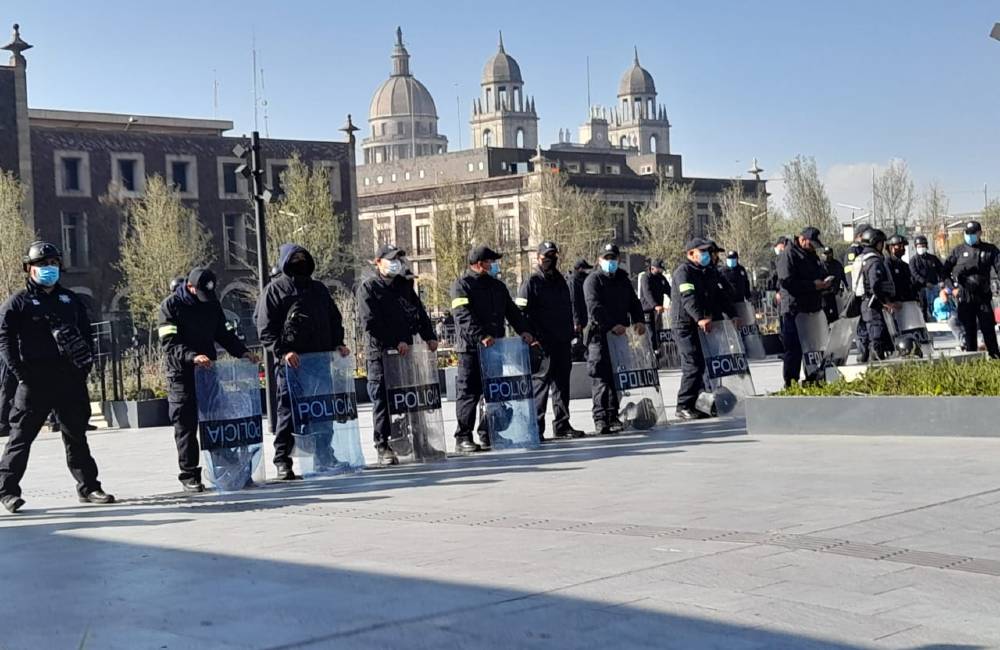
(687, 286)
(167, 330)
(459, 302)
(521, 302)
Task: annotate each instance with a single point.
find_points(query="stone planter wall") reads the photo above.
(136, 414)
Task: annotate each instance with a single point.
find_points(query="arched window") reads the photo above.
(653, 141)
(517, 99)
(623, 143)
(519, 139)
(487, 138)
(489, 100)
(650, 112)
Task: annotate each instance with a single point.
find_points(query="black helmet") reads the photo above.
(906, 346)
(897, 240)
(920, 239)
(872, 237)
(41, 250)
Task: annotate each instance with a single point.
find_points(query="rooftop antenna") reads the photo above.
(590, 106)
(215, 93)
(263, 102)
(253, 55)
(458, 114)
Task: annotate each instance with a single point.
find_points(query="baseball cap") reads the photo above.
(582, 264)
(389, 252)
(660, 264)
(732, 255)
(203, 281)
(972, 228)
(610, 250)
(483, 254)
(547, 247)
(700, 244)
(812, 234)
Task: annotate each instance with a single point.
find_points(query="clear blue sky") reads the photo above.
(852, 83)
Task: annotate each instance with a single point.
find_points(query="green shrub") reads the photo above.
(937, 378)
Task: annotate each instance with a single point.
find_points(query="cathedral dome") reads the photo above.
(501, 68)
(401, 96)
(636, 80)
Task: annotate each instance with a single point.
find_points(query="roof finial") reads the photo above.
(501, 40)
(636, 48)
(16, 45)
(399, 35)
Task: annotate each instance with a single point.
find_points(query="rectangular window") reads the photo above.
(383, 235)
(274, 171)
(71, 174)
(241, 240)
(507, 230)
(128, 174)
(592, 168)
(423, 239)
(614, 169)
(229, 183)
(179, 172)
(74, 240)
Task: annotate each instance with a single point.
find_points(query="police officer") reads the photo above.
(737, 278)
(545, 299)
(926, 270)
(772, 279)
(699, 299)
(576, 278)
(191, 322)
(480, 303)
(902, 280)
(612, 306)
(853, 252)
(653, 286)
(45, 342)
(801, 279)
(879, 292)
(295, 315)
(392, 315)
(833, 268)
(967, 270)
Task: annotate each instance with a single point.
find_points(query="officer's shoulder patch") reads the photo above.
(64, 298)
(34, 301)
(851, 256)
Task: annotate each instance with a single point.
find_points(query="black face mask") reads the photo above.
(549, 264)
(299, 268)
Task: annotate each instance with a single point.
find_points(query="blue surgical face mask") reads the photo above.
(393, 268)
(971, 239)
(47, 276)
(731, 263)
(609, 266)
(705, 258)
(494, 268)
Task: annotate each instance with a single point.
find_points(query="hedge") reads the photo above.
(932, 379)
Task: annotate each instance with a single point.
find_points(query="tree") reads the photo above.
(304, 214)
(894, 195)
(990, 221)
(666, 223)
(745, 226)
(934, 211)
(579, 222)
(458, 222)
(160, 240)
(16, 235)
(806, 200)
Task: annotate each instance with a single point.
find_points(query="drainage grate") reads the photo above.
(867, 551)
(929, 559)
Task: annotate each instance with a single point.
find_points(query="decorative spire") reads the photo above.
(636, 49)
(399, 36)
(349, 129)
(501, 42)
(400, 57)
(16, 45)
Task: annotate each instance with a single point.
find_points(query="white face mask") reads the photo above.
(921, 250)
(777, 251)
(393, 268)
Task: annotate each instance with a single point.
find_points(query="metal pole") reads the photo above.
(263, 270)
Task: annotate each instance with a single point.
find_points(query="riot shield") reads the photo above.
(229, 423)
(908, 322)
(637, 381)
(414, 399)
(325, 414)
(665, 344)
(508, 394)
(726, 366)
(842, 334)
(813, 337)
(749, 330)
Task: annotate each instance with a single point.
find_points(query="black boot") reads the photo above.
(464, 445)
(12, 503)
(386, 456)
(192, 485)
(285, 473)
(99, 497)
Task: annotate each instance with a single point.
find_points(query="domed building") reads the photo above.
(402, 115)
(502, 116)
(638, 122)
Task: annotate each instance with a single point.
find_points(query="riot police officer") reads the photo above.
(392, 314)
(801, 279)
(876, 281)
(191, 322)
(545, 299)
(967, 269)
(926, 270)
(853, 252)
(736, 276)
(481, 303)
(832, 268)
(653, 286)
(612, 306)
(699, 299)
(902, 280)
(295, 315)
(576, 279)
(45, 342)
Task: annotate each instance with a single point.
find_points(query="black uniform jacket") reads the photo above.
(698, 293)
(545, 299)
(798, 270)
(739, 281)
(652, 288)
(969, 267)
(391, 312)
(611, 301)
(480, 304)
(189, 327)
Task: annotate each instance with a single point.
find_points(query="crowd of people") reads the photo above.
(46, 352)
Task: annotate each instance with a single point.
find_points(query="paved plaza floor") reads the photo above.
(694, 536)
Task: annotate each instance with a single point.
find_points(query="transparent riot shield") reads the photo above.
(813, 337)
(325, 414)
(414, 400)
(842, 334)
(508, 394)
(908, 322)
(229, 423)
(666, 347)
(749, 330)
(636, 380)
(726, 366)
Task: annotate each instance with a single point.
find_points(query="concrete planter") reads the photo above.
(448, 384)
(579, 381)
(914, 416)
(128, 414)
